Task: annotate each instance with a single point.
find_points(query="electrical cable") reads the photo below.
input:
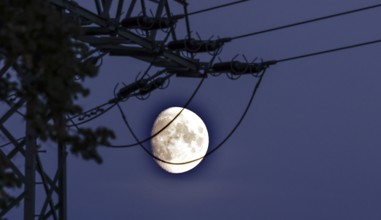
(91, 112)
(217, 7)
(247, 35)
(307, 21)
(256, 87)
(329, 51)
(150, 137)
(185, 106)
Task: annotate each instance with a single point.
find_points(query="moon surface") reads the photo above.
(185, 139)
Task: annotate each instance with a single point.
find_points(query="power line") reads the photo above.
(255, 90)
(329, 51)
(139, 142)
(256, 87)
(216, 7)
(307, 21)
(91, 114)
(255, 33)
(227, 137)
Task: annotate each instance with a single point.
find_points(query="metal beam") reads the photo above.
(159, 12)
(48, 199)
(14, 203)
(13, 152)
(168, 11)
(62, 194)
(30, 168)
(13, 109)
(143, 42)
(119, 10)
(104, 40)
(130, 9)
(14, 168)
(106, 8)
(98, 6)
(12, 139)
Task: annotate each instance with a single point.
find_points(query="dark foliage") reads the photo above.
(42, 60)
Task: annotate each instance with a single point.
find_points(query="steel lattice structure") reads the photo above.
(137, 34)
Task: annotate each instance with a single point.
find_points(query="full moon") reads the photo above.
(185, 139)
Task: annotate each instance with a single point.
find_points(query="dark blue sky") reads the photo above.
(309, 147)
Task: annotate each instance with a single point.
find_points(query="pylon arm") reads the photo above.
(114, 28)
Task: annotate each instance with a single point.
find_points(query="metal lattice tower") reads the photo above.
(135, 34)
(54, 203)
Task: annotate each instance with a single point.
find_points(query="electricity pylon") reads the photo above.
(139, 33)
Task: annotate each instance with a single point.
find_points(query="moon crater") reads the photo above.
(183, 140)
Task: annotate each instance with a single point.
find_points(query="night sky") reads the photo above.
(309, 147)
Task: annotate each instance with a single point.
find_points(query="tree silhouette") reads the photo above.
(43, 62)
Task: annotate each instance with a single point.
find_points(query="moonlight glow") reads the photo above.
(185, 139)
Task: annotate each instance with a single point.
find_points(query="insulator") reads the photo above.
(152, 86)
(131, 22)
(224, 66)
(197, 46)
(185, 72)
(237, 68)
(148, 23)
(240, 68)
(127, 90)
(178, 44)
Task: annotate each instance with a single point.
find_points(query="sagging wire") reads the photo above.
(152, 136)
(144, 86)
(256, 87)
(140, 143)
